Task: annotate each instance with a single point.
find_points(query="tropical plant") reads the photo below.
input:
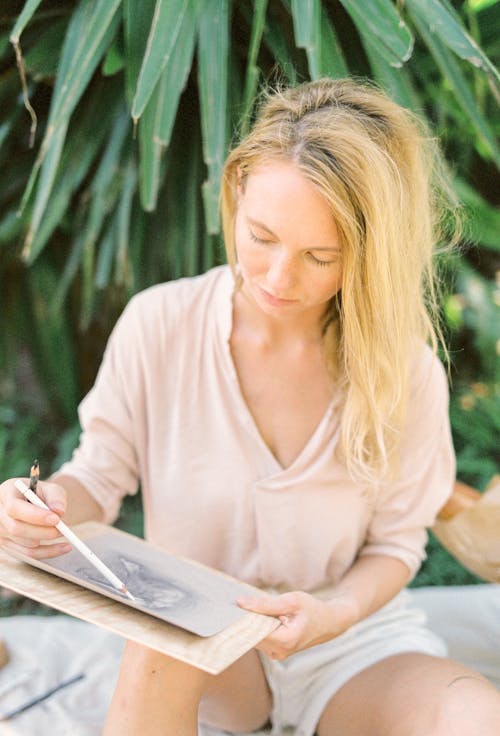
(116, 118)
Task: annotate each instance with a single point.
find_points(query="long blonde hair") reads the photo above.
(381, 172)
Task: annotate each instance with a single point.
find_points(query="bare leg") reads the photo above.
(239, 698)
(157, 695)
(414, 695)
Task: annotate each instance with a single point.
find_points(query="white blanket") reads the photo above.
(45, 651)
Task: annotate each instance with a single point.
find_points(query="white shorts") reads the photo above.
(303, 684)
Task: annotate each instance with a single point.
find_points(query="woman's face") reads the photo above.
(287, 243)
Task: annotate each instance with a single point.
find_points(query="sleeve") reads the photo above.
(425, 476)
(105, 461)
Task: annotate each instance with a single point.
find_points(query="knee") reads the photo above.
(157, 672)
(468, 706)
(238, 699)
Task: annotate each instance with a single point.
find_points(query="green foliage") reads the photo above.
(475, 415)
(440, 568)
(133, 106)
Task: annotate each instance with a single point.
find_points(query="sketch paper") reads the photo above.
(212, 654)
(186, 594)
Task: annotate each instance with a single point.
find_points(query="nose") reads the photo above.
(281, 274)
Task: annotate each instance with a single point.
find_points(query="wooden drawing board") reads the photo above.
(176, 590)
(212, 654)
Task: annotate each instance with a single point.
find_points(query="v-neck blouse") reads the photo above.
(167, 413)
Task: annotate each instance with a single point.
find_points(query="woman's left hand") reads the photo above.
(305, 621)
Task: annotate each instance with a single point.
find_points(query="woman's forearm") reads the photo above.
(369, 584)
(307, 620)
(81, 505)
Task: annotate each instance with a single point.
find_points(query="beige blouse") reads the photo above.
(166, 412)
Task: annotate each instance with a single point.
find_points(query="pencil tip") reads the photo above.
(126, 592)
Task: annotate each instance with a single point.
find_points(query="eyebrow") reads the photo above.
(261, 225)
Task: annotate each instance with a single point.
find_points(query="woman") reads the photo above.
(288, 425)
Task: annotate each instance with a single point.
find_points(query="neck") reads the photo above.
(267, 328)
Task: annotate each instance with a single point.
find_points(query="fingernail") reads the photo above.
(52, 519)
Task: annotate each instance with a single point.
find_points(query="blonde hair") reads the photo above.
(380, 170)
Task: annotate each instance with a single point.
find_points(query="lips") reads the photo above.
(275, 301)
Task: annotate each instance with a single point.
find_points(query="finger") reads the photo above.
(21, 541)
(13, 528)
(40, 552)
(273, 652)
(18, 509)
(54, 496)
(283, 641)
(268, 605)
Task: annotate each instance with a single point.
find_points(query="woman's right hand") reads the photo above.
(27, 529)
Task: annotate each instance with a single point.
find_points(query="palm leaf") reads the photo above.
(52, 341)
(165, 28)
(105, 258)
(380, 22)
(483, 218)
(252, 71)
(23, 19)
(77, 158)
(440, 20)
(333, 62)
(89, 33)
(455, 76)
(137, 18)
(124, 275)
(52, 155)
(41, 61)
(395, 81)
(307, 30)
(212, 84)
(156, 124)
(276, 41)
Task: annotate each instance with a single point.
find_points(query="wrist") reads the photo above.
(345, 610)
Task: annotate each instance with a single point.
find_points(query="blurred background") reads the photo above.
(115, 119)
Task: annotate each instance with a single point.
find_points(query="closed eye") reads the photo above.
(317, 261)
(256, 239)
(320, 261)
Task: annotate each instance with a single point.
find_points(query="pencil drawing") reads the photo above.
(149, 590)
(167, 587)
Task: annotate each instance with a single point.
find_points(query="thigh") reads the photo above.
(414, 694)
(239, 698)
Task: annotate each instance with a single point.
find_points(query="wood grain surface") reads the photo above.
(212, 654)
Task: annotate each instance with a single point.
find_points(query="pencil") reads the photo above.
(76, 541)
(40, 698)
(34, 475)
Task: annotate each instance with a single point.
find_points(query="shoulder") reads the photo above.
(425, 438)
(428, 376)
(169, 311)
(166, 319)
(165, 306)
(428, 401)
(173, 297)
